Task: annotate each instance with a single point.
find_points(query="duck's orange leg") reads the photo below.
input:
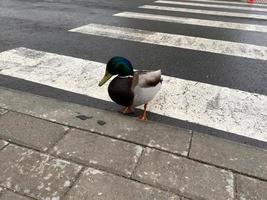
(143, 117)
(127, 110)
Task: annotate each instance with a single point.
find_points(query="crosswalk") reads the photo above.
(226, 109)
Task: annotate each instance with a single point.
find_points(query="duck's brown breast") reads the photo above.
(120, 90)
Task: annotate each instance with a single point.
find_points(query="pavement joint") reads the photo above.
(164, 188)
(190, 142)
(1, 148)
(77, 177)
(16, 192)
(21, 144)
(3, 111)
(49, 150)
(138, 162)
(235, 187)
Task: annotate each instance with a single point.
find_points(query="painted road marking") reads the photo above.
(205, 12)
(173, 40)
(212, 5)
(193, 21)
(231, 2)
(222, 108)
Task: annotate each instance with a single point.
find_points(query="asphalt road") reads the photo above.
(44, 24)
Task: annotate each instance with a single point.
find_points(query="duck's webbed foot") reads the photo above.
(143, 117)
(127, 110)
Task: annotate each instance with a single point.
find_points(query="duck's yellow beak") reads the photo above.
(105, 79)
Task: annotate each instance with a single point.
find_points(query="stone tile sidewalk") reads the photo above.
(55, 150)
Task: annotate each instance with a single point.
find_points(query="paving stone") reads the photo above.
(242, 158)
(3, 143)
(250, 189)
(183, 176)
(103, 152)
(95, 184)
(7, 195)
(2, 111)
(34, 174)
(29, 131)
(156, 135)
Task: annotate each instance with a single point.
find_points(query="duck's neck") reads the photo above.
(126, 71)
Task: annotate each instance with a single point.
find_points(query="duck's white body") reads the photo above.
(143, 92)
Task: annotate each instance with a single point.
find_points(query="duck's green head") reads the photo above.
(117, 66)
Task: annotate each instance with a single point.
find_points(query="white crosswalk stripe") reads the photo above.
(205, 12)
(232, 2)
(226, 109)
(193, 21)
(174, 40)
(211, 5)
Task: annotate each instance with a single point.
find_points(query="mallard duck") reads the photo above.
(131, 88)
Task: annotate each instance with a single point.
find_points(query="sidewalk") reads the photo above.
(55, 150)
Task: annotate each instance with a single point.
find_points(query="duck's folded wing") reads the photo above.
(149, 78)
